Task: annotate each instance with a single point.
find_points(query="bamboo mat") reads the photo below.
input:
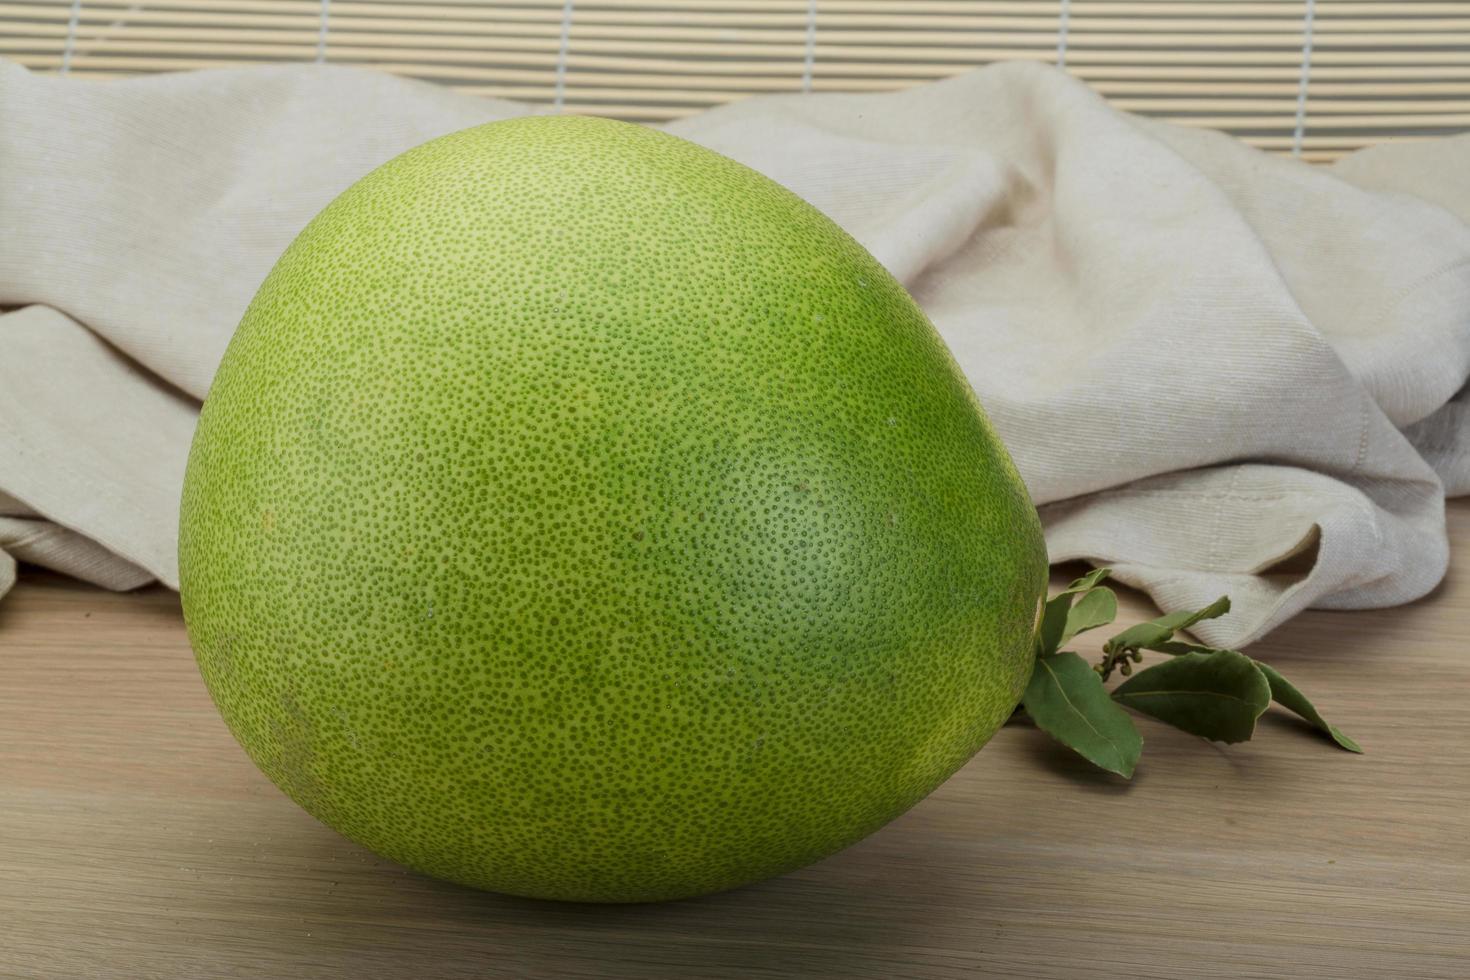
(1313, 77)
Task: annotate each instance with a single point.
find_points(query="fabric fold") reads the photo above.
(1219, 371)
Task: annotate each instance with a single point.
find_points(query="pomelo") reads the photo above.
(577, 513)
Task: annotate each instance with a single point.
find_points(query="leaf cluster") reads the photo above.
(1213, 693)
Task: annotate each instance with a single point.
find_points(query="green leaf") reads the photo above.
(1054, 616)
(1097, 607)
(1184, 620)
(1147, 636)
(1088, 581)
(1177, 647)
(1286, 694)
(1215, 695)
(1066, 699)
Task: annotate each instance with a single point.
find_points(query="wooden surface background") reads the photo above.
(136, 839)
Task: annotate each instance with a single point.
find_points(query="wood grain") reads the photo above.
(136, 839)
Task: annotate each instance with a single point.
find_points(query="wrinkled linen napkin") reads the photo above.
(1218, 370)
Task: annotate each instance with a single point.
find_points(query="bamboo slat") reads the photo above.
(1377, 69)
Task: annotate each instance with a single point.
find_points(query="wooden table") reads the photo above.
(137, 840)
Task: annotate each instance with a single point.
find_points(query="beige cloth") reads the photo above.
(1219, 371)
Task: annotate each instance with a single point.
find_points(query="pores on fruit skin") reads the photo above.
(577, 513)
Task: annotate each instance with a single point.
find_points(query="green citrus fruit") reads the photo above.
(577, 513)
